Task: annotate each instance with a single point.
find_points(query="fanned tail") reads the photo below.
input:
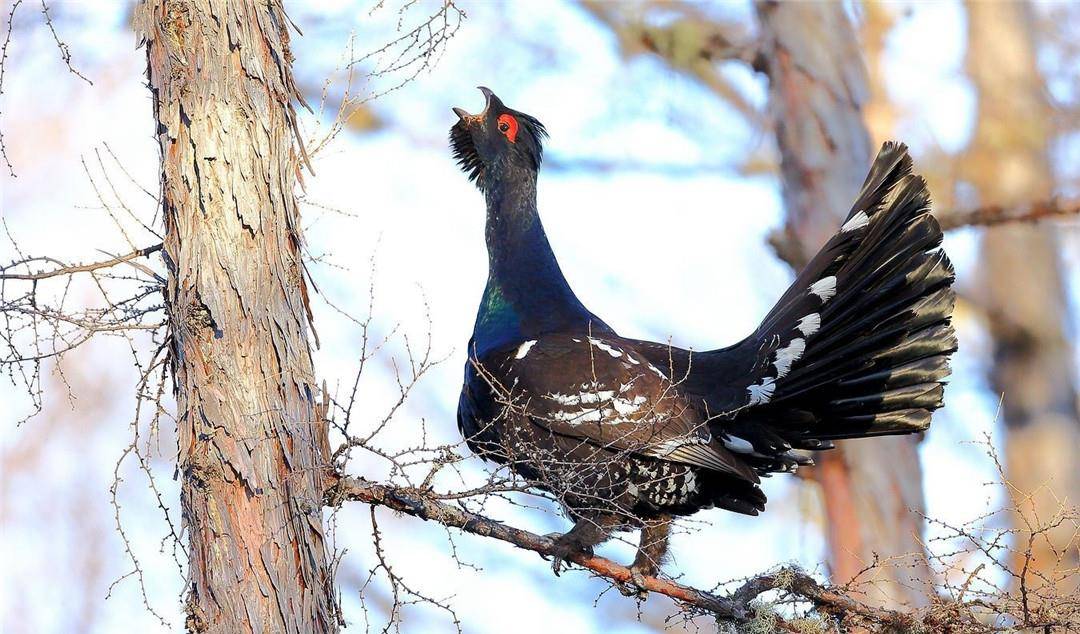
(859, 345)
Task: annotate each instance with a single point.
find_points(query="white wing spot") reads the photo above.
(524, 348)
(858, 221)
(809, 325)
(563, 399)
(788, 355)
(824, 288)
(762, 392)
(596, 405)
(605, 347)
(584, 398)
(626, 407)
(582, 416)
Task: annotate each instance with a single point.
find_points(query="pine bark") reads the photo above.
(251, 445)
(871, 489)
(1021, 285)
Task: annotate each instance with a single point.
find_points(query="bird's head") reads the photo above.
(498, 139)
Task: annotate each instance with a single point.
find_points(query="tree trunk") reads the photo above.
(818, 86)
(1021, 281)
(251, 447)
(879, 112)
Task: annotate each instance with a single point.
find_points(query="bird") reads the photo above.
(629, 434)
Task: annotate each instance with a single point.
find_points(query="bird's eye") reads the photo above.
(508, 125)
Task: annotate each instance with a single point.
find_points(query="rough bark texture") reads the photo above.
(251, 447)
(1021, 287)
(818, 86)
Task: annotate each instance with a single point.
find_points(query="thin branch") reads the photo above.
(65, 51)
(3, 67)
(990, 215)
(790, 249)
(81, 268)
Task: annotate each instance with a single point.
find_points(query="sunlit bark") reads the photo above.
(251, 448)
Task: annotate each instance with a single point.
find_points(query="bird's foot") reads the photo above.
(565, 547)
(635, 587)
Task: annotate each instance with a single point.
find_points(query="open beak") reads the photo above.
(488, 95)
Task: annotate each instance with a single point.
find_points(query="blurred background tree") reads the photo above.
(730, 130)
(1021, 290)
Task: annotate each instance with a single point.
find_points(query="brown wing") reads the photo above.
(604, 392)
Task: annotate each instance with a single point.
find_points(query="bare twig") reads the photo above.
(70, 270)
(3, 66)
(791, 250)
(414, 50)
(65, 51)
(990, 215)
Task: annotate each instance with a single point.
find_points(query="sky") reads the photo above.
(657, 254)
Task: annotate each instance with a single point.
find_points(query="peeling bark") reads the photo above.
(818, 87)
(251, 446)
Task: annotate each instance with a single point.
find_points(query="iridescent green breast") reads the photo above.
(498, 323)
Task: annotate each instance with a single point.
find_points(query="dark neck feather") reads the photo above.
(526, 293)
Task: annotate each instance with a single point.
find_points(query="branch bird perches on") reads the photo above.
(737, 607)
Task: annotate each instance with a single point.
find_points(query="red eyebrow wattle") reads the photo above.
(511, 127)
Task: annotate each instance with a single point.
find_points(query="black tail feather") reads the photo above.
(870, 316)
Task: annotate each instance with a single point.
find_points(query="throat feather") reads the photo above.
(526, 294)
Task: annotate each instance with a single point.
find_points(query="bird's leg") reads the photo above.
(652, 549)
(586, 533)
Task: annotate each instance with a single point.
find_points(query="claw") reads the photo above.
(557, 565)
(553, 537)
(636, 586)
(639, 581)
(563, 550)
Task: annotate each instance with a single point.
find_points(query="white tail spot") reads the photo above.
(824, 288)
(788, 355)
(809, 325)
(761, 392)
(858, 221)
(524, 348)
